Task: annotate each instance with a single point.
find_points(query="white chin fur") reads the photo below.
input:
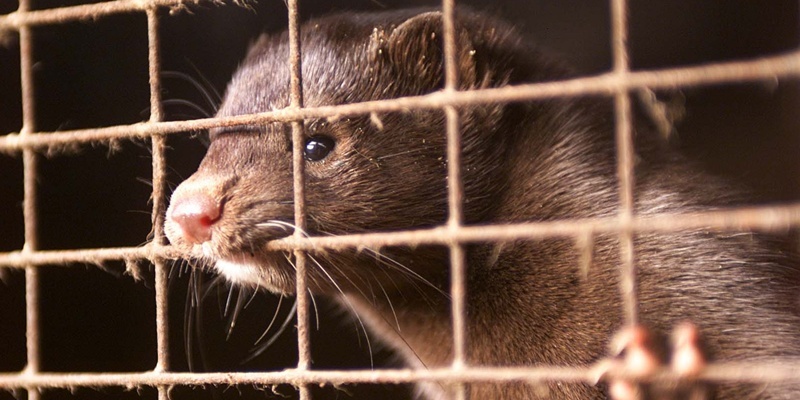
(240, 270)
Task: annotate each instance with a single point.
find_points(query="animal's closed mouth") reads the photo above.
(239, 269)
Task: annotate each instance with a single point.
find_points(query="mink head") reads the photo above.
(375, 172)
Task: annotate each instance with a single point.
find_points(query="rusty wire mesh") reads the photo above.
(617, 84)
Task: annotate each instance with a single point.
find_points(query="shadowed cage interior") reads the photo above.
(97, 127)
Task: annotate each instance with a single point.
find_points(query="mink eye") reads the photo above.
(318, 147)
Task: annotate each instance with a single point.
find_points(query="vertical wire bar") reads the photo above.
(450, 51)
(30, 163)
(159, 199)
(625, 157)
(619, 36)
(455, 198)
(298, 164)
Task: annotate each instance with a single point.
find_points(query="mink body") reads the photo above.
(528, 302)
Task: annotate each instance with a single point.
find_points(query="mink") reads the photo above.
(528, 301)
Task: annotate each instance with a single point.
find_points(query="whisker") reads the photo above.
(398, 266)
(278, 223)
(186, 103)
(349, 305)
(413, 278)
(389, 300)
(227, 308)
(252, 297)
(353, 284)
(271, 322)
(396, 286)
(274, 337)
(189, 320)
(197, 318)
(411, 151)
(235, 315)
(311, 295)
(409, 271)
(200, 88)
(272, 227)
(314, 303)
(208, 86)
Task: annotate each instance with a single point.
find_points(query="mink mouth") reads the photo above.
(251, 265)
(240, 269)
(246, 244)
(271, 271)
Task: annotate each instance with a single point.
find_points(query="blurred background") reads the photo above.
(94, 74)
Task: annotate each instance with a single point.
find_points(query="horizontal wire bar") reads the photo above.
(775, 371)
(767, 68)
(87, 256)
(93, 12)
(767, 218)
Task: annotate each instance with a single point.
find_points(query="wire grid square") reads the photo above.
(616, 85)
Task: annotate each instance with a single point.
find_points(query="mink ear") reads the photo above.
(416, 48)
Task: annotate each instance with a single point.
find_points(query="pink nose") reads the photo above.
(195, 214)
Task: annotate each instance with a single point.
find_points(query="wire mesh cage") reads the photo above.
(96, 303)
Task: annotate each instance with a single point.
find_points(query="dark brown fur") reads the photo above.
(533, 161)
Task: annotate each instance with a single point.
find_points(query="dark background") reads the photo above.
(94, 74)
